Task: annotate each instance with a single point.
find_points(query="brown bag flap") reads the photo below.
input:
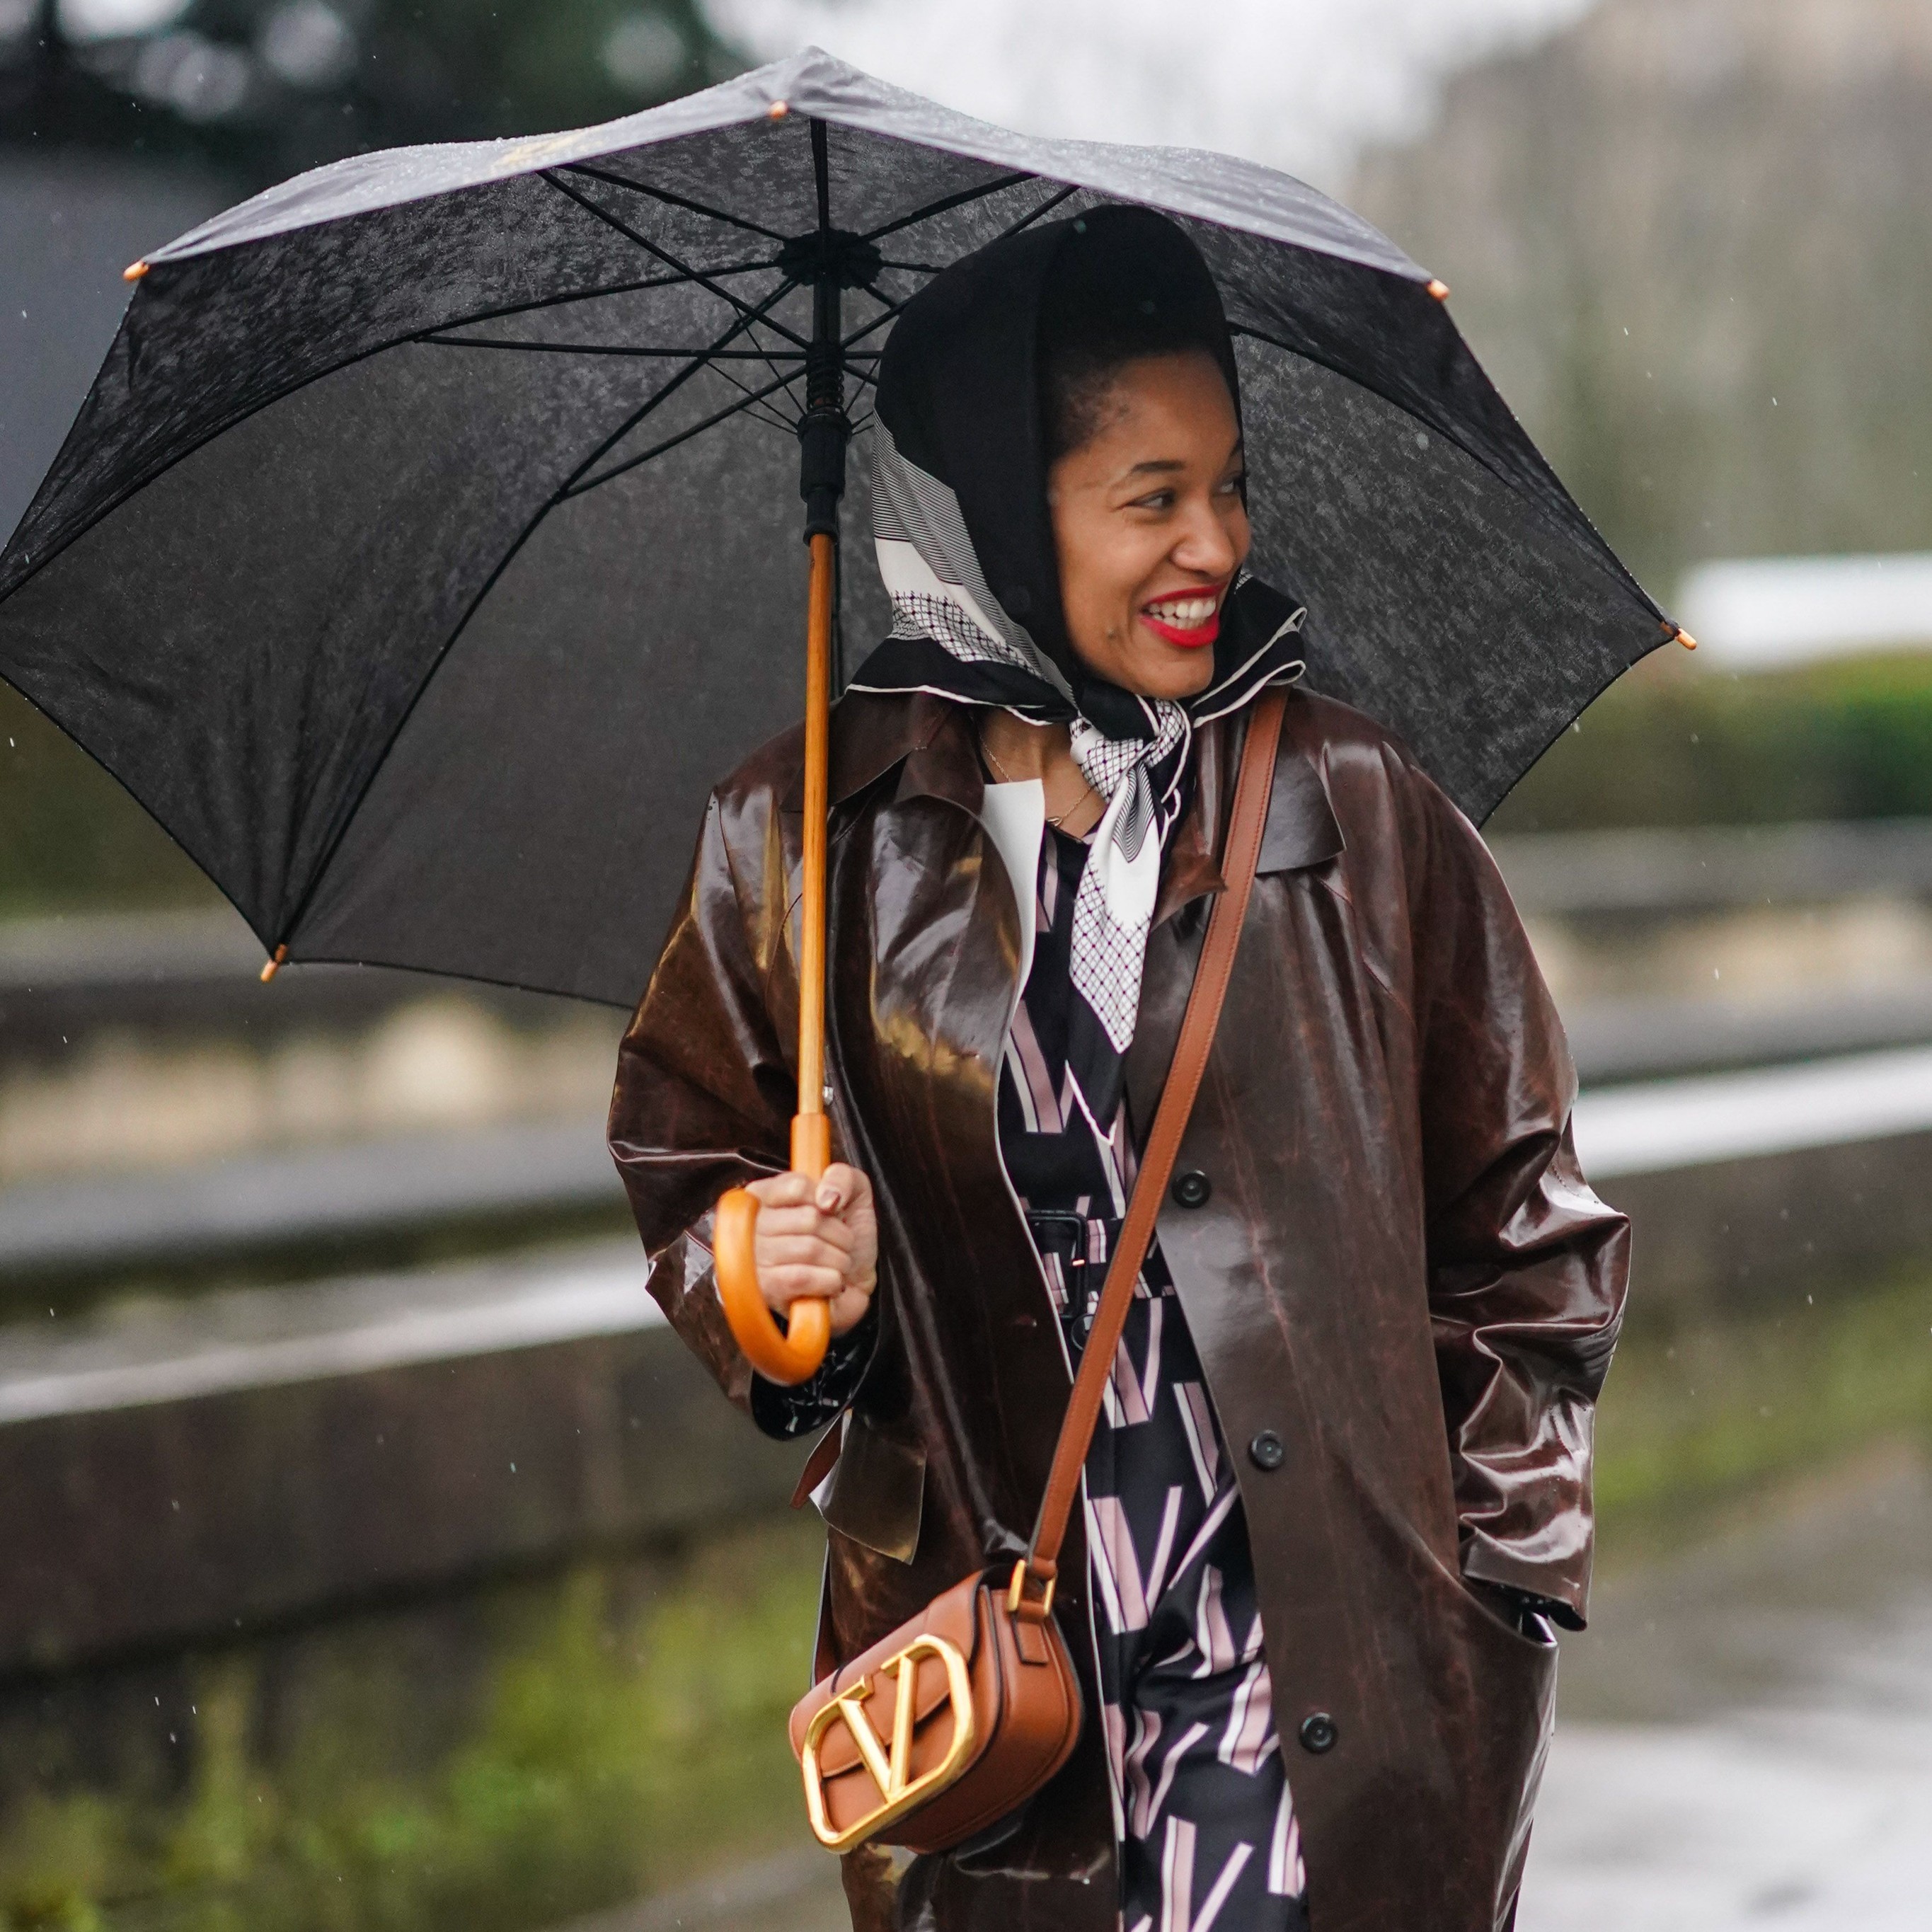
(953, 1616)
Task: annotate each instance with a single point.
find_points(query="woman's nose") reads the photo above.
(1205, 543)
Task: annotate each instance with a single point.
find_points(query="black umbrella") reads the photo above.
(424, 550)
(426, 545)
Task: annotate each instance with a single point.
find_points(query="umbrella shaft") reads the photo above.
(811, 937)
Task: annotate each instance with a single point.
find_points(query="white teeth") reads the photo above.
(1185, 613)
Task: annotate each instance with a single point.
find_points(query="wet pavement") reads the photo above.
(1746, 1733)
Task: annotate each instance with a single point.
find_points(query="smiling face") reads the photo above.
(1149, 525)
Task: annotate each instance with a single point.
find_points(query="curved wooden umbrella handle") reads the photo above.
(790, 1354)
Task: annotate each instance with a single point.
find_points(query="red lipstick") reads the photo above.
(1194, 638)
(1188, 641)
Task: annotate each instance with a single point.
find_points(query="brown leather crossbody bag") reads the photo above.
(960, 1715)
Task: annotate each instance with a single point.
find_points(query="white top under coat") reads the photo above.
(1014, 816)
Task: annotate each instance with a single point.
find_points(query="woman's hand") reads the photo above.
(820, 1239)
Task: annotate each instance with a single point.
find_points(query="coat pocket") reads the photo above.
(877, 1496)
(1507, 1682)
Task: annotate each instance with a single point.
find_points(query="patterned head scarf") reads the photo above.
(964, 538)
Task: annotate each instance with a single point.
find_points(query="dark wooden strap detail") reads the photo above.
(1249, 817)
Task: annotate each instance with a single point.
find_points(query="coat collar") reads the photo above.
(872, 732)
(931, 739)
(1302, 829)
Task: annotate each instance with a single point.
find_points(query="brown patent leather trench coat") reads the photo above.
(1399, 1272)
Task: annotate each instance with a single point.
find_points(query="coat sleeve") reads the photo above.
(702, 1102)
(1527, 1268)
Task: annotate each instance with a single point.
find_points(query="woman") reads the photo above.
(1343, 1482)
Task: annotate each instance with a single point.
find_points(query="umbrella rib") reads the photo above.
(763, 355)
(770, 415)
(785, 355)
(644, 241)
(889, 308)
(664, 255)
(576, 488)
(1046, 207)
(677, 201)
(885, 313)
(958, 200)
(892, 308)
(741, 327)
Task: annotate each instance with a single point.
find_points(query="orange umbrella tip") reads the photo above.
(274, 965)
(778, 110)
(1685, 638)
(133, 271)
(1440, 290)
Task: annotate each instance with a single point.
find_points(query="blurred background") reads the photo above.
(369, 1558)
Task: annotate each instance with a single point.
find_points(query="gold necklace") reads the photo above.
(1006, 777)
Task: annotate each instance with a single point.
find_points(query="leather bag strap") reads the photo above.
(1251, 790)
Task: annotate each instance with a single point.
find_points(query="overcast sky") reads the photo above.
(1296, 83)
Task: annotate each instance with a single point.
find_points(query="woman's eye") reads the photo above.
(1160, 499)
(1235, 485)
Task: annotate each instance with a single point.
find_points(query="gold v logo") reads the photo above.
(890, 1767)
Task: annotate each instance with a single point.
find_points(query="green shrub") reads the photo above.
(609, 1745)
(1668, 744)
(1695, 1421)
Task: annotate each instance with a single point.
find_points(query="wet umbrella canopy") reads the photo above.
(429, 544)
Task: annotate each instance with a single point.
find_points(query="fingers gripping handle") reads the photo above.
(790, 1354)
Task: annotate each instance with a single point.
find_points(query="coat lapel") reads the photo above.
(1301, 831)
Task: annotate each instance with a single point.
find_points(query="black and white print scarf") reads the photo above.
(951, 636)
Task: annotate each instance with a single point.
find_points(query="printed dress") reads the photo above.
(1202, 1812)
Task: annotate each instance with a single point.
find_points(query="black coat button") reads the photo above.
(1192, 1188)
(1267, 1451)
(1318, 1733)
